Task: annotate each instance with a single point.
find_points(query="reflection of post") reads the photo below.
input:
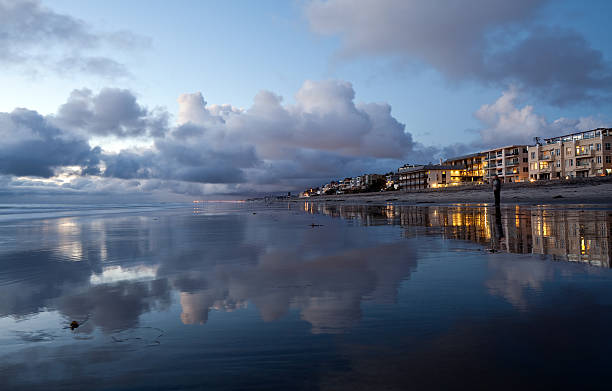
(497, 229)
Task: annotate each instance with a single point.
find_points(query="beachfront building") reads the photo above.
(472, 167)
(510, 163)
(392, 181)
(430, 176)
(581, 154)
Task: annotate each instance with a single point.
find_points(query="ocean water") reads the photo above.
(304, 296)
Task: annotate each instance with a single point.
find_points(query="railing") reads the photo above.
(583, 165)
(586, 153)
(547, 157)
(512, 163)
(511, 153)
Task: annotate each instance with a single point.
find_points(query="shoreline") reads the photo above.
(596, 190)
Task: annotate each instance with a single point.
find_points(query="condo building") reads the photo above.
(472, 167)
(582, 154)
(510, 164)
(430, 176)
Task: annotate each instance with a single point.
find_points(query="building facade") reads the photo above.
(418, 177)
(581, 154)
(510, 163)
(472, 167)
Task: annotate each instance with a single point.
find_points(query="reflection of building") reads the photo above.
(580, 236)
(582, 154)
(577, 236)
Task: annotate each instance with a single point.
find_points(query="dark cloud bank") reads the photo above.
(494, 42)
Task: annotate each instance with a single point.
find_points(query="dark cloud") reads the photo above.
(32, 34)
(494, 41)
(31, 146)
(113, 112)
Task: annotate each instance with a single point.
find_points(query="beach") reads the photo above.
(597, 190)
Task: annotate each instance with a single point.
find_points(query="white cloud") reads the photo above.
(505, 122)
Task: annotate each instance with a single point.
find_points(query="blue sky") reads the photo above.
(445, 84)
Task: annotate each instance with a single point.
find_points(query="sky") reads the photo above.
(157, 100)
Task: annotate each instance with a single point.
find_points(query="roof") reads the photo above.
(464, 156)
(575, 133)
(425, 167)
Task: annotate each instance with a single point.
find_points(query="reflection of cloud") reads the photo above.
(196, 306)
(332, 314)
(509, 279)
(116, 306)
(327, 290)
(117, 273)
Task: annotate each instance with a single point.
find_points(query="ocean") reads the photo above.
(299, 295)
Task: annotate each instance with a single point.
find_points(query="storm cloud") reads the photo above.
(31, 146)
(113, 112)
(494, 42)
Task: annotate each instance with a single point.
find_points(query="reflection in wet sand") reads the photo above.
(575, 235)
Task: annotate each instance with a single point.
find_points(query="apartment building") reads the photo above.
(472, 167)
(510, 163)
(430, 176)
(581, 154)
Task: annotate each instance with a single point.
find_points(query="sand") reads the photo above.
(576, 191)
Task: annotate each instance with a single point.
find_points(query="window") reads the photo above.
(557, 152)
(571, 162)
(525, 169)
(590, 147)
(608, 159)
(524, 150)
(598, 146)
(525, 160)
(533, 155)
(599, 159)
(568, 150)
(607, 146)
(558, 163)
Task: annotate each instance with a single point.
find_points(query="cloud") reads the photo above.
(111, 112)
(270, 146)
(504, 122)
(31, 146)
(324, 135)
(493, 41)
(32, 34)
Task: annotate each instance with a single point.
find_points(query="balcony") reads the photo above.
(583, 165)
(547, 157)
(512, 153)
(545, 169)
(512, 163)
(586, 153)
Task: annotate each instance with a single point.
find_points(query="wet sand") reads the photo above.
(587, 191)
